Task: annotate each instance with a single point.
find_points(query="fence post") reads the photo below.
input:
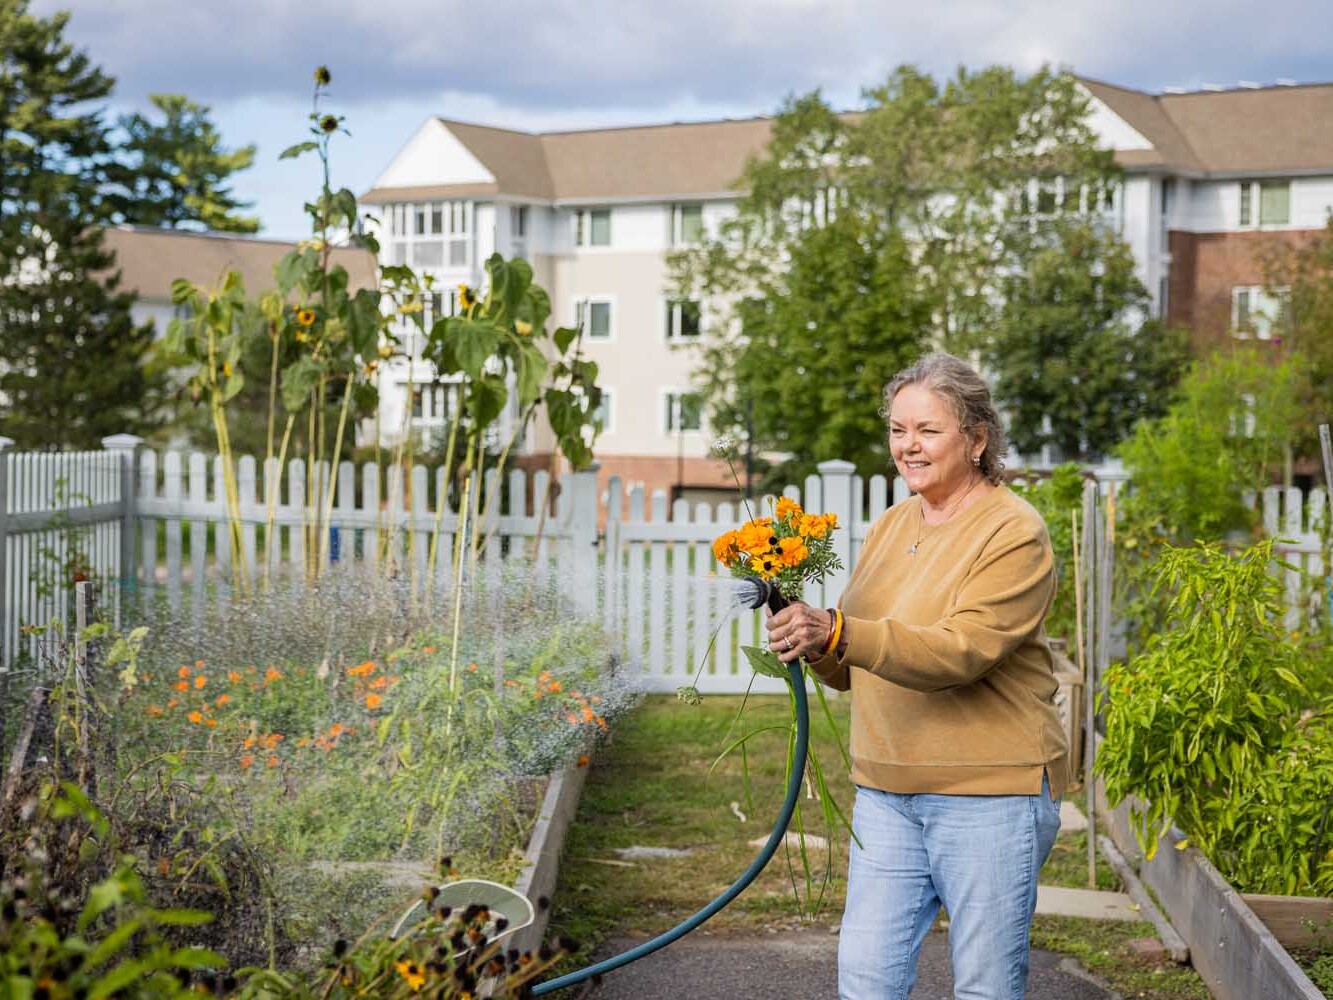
(4, 583)
(838, 500)
(125, 447)
(583, 537)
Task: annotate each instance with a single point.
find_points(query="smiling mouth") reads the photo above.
(916, 465)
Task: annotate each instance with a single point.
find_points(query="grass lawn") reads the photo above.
(651, 788)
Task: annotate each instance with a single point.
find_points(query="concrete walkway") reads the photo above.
(797, 965)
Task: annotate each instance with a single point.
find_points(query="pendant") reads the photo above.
(912, 550)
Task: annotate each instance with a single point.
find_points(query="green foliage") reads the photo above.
(176, 172)
(844, 260)
(71, 359)
(1192, 466)
(822, 337)
(109, 943)
(1214, 726)
(1302, 276)
(1078, 367)
(1055, 498)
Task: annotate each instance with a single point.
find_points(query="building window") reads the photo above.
(432, 234)
(1163, 296)
(518, 221)
(1256, 311)
(687, 224)
(592, 227)
(603, 413)
(684, 412)
(683, 320)
(594, 316)
(1272, 199)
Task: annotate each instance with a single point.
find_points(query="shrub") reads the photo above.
(1055, 497)
(1215, 726)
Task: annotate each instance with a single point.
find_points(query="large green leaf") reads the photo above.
(486, 399)
(531, 371)
(298, 380)
(766, 662)
(294, 151)
(473, 343)
(363, 321)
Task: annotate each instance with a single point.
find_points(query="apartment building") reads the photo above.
(1210, 178)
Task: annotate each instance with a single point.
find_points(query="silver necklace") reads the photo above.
(921, 524)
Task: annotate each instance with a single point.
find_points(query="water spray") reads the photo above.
(754, 594)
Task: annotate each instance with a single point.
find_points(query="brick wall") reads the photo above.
(1205, 267)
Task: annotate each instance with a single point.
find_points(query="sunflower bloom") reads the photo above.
(305, 316)
(411, 973)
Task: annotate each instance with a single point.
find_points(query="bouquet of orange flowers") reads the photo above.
(790, 548)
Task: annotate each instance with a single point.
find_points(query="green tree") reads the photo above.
(945, 180)
(821, 338)
(71, 358)
(1077, 362)
(1302, 277)
(175, 173)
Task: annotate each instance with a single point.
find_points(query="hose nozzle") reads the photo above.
(758, 593)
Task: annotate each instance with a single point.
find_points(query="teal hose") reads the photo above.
(797, 681)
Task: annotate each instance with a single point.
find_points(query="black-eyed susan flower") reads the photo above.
(322, 76)
(327, 124)
(305, 316)
(411, 973)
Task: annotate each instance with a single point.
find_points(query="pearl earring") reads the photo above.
(976, 459)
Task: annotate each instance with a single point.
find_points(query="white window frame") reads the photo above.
(1251, 294)
(664, 399)
(581, 224)
(608, 405)
(583, 302)
(671, 324)
(456, 225)
(1255, 188)
(676, 232)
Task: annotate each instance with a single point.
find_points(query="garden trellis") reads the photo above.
(154, 524)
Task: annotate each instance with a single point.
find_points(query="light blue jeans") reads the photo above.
(979, 855)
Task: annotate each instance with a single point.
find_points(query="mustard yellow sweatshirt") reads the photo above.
(951, 677)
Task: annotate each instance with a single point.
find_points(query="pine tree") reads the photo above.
(71, 359)
(175, 173)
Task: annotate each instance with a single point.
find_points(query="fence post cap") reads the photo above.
(5, 442)
(121, 442)
(836, 467)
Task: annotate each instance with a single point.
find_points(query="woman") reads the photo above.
(957, 749)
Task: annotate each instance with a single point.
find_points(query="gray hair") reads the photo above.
(959, 385)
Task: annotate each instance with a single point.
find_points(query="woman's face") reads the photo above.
(929, 449)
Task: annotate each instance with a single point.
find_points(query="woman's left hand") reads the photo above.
(799, 630)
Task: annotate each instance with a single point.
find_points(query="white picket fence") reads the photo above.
(157, 523)
(1298, 523)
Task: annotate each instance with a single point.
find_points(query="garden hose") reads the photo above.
(764, 593)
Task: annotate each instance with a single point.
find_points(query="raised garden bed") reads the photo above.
(1237, 954)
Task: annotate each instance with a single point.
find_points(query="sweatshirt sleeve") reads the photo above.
(1001, 603)
(835, 672)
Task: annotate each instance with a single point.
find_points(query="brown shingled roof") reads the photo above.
(149, 260)
(1270, 129)
(682, 159)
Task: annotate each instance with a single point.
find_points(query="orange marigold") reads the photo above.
(472, 668)
(183, 672)
(233, 676)
(792, 551)
(196, 717)
(787, 507)
(726, 548)
(200, 681)
(247, 760)
(181, 685)
(272, 760)
(272, 674)
(583, 760)
(223, 699)
(172, 703)
(373, 701)
(154, 710)
(556, 687)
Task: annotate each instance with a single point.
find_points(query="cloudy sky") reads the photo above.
(558, 64)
